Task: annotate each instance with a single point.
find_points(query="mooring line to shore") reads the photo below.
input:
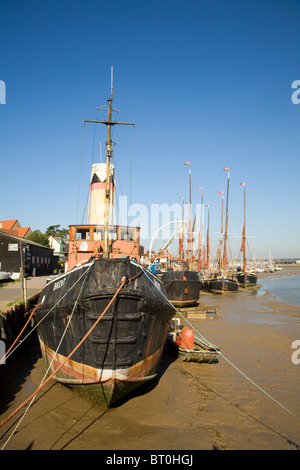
(123, 281)
(50, 364)
(8, 354)
(220, 353)
(24, 327)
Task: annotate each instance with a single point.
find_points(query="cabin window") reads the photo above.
(82, 234)
(112, 234)
(127, 234)
(99, 234)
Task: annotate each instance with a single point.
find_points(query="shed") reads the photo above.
(16, 252)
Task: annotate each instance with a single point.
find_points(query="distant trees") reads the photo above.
(56, 232)
(38, 237)
(43, 238)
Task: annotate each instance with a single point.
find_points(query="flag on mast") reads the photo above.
(187, 163)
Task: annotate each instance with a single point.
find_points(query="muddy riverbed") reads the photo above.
(248, 400)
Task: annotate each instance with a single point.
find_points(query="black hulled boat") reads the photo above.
(182, 287)
(246, 279)
(123, 349)
(222, 284)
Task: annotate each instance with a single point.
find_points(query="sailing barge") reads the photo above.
(221, 282)
(122, 347)
(244, 277)
(182, 287)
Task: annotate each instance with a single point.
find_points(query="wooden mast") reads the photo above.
(226, 231)
(201, 249)
(190, 218)
(109, 153)
(189, 234)
(221, 237)
(226, 224)
(207, 240)
(243, 247)
(181, 251)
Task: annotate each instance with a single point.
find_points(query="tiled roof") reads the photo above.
(8, 224)
(21, 231)
(13, 227)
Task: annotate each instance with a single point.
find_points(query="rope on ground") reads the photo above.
(123, 281)
(224, 357)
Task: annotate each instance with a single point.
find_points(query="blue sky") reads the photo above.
(208, 82)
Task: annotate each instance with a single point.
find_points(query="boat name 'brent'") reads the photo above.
(59, 284)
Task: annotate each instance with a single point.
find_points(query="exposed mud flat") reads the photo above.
(190, 406)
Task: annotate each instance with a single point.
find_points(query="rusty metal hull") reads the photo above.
(182, 287)
(124, 349)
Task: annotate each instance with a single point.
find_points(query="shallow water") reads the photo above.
(286, 287)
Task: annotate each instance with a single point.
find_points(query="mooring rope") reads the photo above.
(24, 327)
(50, 364)
(123, 282)
(45, 316)
(221, 354)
